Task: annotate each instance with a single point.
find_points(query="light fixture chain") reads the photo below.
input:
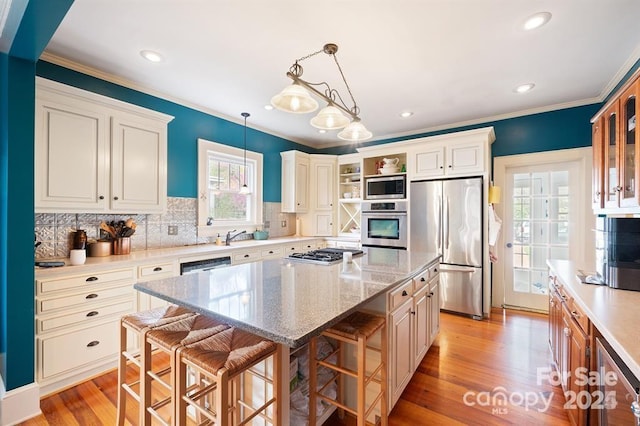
(309, 55)
(355, 108)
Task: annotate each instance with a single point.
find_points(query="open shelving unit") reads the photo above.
(350, 196)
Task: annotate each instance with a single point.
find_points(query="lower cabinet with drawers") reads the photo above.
(77, 320)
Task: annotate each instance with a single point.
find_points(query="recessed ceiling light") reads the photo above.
(537, 20)
(322, 131)
(268, 107)
(150, 55)
(406, 114)
(524, 88)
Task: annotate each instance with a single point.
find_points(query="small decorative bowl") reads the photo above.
(260, 235)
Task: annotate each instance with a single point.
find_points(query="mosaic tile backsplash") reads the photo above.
(55, 230)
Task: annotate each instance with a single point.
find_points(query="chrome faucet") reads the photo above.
(229, 238)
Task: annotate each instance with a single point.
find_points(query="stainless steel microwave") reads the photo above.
(385, 187)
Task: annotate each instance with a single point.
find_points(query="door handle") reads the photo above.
(446, 224)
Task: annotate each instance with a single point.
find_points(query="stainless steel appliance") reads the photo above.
(384, 224)
(204, 265)
(617, 253)
(385, 187)
(620, 388)
(446, 218)
(325, 256)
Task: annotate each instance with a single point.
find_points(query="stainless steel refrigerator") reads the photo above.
(446, 217)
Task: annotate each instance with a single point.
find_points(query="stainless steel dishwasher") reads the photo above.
(204, 265)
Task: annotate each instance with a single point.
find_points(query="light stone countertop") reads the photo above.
(289, 301)
(615, 313)
(96, 264)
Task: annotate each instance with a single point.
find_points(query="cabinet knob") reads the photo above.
(92, 313)
(575, 314)
(93, 343)
(115, 198)
(157, 269)
(598, 193)
(101, 197)
(441, 167)
(449, 165)
(430, 293)
(422, 279)
(404, 293)
(413, 312)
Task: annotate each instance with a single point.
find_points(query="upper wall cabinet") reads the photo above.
(438, 160)
(295, 182)
(616, 153)
(94, 154)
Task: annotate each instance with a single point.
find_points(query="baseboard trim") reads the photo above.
(20, 404)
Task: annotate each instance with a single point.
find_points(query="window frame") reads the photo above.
(254, 182)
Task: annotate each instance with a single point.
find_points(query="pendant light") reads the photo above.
(245, 189)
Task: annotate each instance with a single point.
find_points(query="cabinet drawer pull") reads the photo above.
(157, 269)
(90, 279)
(246, 255)
(270, 251)
(422, 279)
(92, 314)
(404, 293)
(413, 312)
(430, 293)
(91, 296)
(435, 271)
(575, 314)
(93, 343)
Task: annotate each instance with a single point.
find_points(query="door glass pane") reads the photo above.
(540, 227)
(629, 135)
(611, 159)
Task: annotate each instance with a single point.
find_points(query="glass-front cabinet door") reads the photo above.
(597, 137)
(629, 146)
(611, 152)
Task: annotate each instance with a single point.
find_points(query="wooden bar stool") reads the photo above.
(357, 329)
(168, 338)
(139, 324)
(222, 363)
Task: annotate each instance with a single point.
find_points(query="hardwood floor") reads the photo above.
(471, 361)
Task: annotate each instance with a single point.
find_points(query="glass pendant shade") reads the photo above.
(329, 118)
(355, 132)
(294, 98)
(245, 189)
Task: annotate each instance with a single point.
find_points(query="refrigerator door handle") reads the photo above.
(439, 234)
(453, 268)
(446, 224)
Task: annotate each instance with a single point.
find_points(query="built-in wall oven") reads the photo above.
(384, 224)
(619, 389)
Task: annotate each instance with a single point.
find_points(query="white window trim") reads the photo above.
(255, 184)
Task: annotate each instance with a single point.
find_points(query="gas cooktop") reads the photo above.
(326, 256)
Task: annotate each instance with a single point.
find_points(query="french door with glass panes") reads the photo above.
(541, 204)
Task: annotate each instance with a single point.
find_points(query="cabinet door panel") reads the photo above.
(597, 138)
(465, 158)
(401, 365)
(63, 181)
(138, 164)
(611, 154)
(434, 309)
(323, 186)
(428, 163)
(421, 314)
(629, 146)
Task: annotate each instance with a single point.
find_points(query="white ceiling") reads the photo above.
(449, 61)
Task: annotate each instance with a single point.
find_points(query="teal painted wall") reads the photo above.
(184, 131)
(17, 221)
(560, 129)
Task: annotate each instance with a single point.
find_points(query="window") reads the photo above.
(221, 174)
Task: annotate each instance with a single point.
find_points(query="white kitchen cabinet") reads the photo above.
(77, 320)
(95, 155)
(434, 307)
(421, 316)
(155, 271)
(447, 159)
(295, 182)
(401, 329)
(322, 194)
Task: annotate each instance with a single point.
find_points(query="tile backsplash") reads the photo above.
(55, 230)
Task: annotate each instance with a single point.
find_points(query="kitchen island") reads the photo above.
(291, 301)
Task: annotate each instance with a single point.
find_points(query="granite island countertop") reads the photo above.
(289, 301)
(613, 312)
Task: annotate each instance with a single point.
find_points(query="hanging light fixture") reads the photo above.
(245, 189)
(297, 99)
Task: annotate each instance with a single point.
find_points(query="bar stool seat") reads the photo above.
(139, 324)
(357, 329)
(168, 338)
(221, 361)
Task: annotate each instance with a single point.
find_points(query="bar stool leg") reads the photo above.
(313, 381)
(122, 373)
(362, 365)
